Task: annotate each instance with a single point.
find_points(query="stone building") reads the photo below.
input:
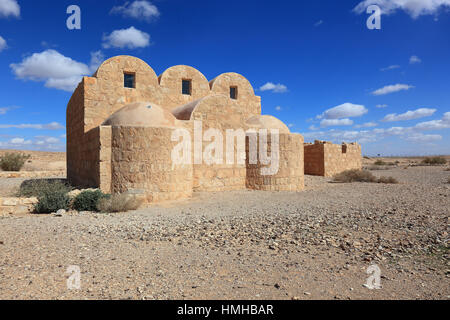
(328, 159)
(120, 125)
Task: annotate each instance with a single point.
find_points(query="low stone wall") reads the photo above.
(290, 175)
(9, 206)
(32, 174)
(327, 159)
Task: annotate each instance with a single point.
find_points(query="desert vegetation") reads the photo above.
(434, 161)
(362, 176)
(13, 161)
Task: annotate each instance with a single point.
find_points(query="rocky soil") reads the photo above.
(316, 244)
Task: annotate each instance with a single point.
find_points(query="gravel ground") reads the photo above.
(316, 244)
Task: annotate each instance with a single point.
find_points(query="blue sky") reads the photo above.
(315, 64)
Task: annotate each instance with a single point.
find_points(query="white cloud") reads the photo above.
(346, 110)
(277, 88)
(9, 8)
(278, 108)
(141, 10)
(38, 143)
(366, 125)
(4, 110)
(48, 126)
(390, 68)
(381, 106)
(55, 69)
(414, 8)
(420, 137)
(97, 59)
(335, 122)
(444, 123)
(414, 60)
(3, 44)
(318, 23)
(410, 115)
(130, 38)
(391, 89)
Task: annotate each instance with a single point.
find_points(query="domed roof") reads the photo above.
(267, 122)
(141, 114)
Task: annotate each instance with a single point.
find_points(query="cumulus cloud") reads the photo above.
(366, 125)
(277, 88)
(38, 143)
(130, 38)
(410, 115)
(414, 60)
(444, 123)
(390, 68)
(55, 69)
(335, 122)
(414, 8)
(381, 106)
(141, 10)
(3, 44)
(391, 89)
(414, 134)
(9, 8)
(48, 126)
(346, 110)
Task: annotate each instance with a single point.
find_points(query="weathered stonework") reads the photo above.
(328, 159)
(119, 139)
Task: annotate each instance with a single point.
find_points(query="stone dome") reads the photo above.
(141, 114)
(267, 122)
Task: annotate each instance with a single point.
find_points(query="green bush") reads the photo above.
(36, 188)
(52, 201)
(88, 200)
(119, 203)
(13, 161)
(434, 161)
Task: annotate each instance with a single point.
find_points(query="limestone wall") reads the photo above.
(219, 112)
(141, 164)
(339, 158)
(290, 175)
(328, 159)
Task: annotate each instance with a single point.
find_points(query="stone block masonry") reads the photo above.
(119, 133)
(327, 159)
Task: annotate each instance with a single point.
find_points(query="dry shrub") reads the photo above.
(355, 176)
(434, 161)
(361, 176)
(387, 180)
(13, 161)
(119, 203)
(447, 169)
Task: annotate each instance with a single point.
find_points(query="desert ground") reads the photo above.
(316, 244)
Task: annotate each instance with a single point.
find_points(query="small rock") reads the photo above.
(307, 293)
(59, 213)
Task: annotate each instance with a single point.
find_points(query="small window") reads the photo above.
(129, 80)
(344, 148)
(233, 93)
(187, 87)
